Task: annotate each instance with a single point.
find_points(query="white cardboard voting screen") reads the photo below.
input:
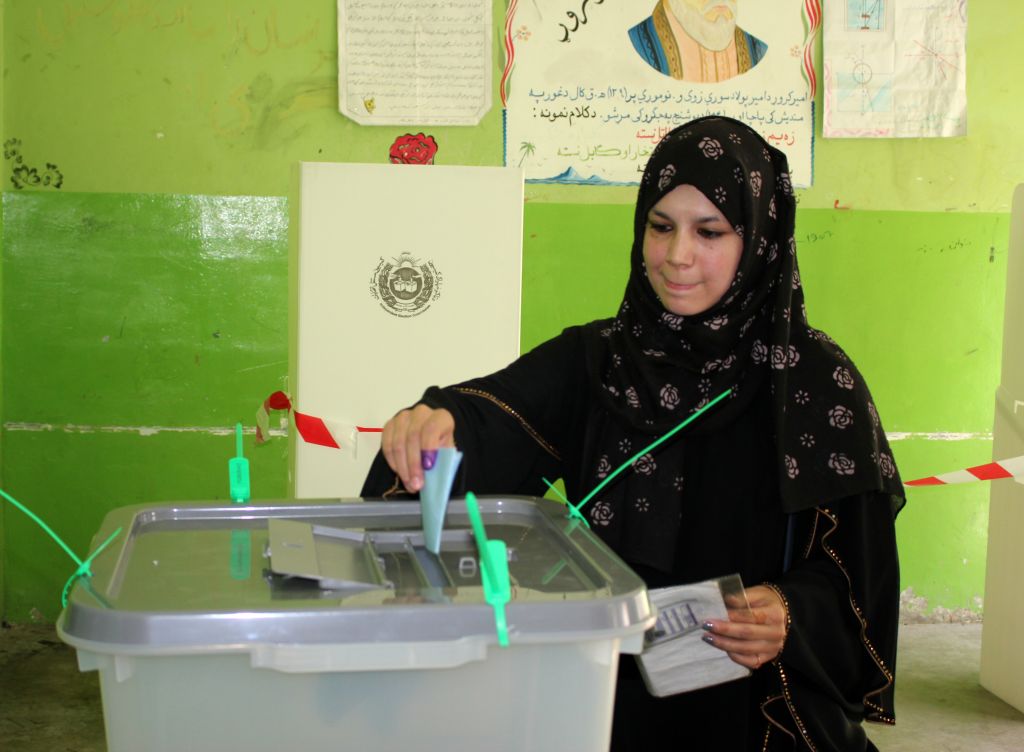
(1002, 649)
(401, 277)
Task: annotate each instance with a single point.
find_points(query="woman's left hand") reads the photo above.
(751, 638)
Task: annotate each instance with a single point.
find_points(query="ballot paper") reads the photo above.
(437, 488)
(675, 659)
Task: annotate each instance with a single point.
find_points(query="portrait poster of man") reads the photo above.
(591, 87)
(694, 40)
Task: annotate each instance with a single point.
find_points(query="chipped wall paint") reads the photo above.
(140, 430)
(915, 609)
(940, 435)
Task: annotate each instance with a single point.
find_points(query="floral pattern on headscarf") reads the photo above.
(653, 367)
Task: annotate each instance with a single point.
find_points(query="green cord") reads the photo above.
(32, 516)
(575, 510)
(83, 566)
(83, 570)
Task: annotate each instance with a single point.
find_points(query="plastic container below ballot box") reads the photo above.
(202, 645)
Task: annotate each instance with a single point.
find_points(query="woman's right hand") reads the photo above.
(410, 441)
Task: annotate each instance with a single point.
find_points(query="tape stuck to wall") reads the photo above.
(335, 434)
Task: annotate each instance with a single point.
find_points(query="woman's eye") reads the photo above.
(659, 227)
(710, 234)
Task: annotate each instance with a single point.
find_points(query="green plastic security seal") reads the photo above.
(493, 569)
(574, 512)
(238, 471)
(238, 479)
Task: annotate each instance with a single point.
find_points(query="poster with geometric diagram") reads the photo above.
(895, 68)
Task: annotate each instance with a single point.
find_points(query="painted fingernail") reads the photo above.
(428, 457)
(708, 639)
(707, 626)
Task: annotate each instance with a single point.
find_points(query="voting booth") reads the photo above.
(401, 277)
(206, 640)
(1002, 649)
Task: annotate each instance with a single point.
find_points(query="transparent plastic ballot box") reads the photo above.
(212, 629)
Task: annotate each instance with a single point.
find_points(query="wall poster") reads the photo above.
(591, 86)
(414, 62)
(895, 69)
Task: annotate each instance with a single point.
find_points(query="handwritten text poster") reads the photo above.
(895, 68)
(414, 62)
(593, 86)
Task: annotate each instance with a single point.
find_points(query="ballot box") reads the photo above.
(329, 626)
(1002, 650)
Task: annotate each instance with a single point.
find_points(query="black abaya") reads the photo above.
(537, 418)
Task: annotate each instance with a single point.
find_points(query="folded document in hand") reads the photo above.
(675, 658)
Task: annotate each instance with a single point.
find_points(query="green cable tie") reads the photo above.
(240, 490)
(241, 556)
(573, 511)
(83, 566)
(493, 569)
(646, 449)
(83, 570)
(575, 516)
(238, 471)
(32, 516)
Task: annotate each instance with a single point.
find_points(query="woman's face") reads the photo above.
(690, 250)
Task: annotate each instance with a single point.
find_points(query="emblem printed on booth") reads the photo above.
(405, 286)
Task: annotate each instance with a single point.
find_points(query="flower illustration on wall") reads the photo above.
(24, 176)
(413, 149)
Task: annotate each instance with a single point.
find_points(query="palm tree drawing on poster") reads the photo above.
(527, 149)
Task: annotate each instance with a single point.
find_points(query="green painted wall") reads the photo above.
(143, 302)
(173, 96)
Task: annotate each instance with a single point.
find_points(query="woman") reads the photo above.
(788, 481)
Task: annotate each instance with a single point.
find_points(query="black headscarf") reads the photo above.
(653, 367)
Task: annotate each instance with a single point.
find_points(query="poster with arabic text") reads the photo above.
(591, 86)
(414, 62)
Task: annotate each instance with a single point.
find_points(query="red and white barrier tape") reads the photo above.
(313, 430)
(340, 435)
(1011, 468)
